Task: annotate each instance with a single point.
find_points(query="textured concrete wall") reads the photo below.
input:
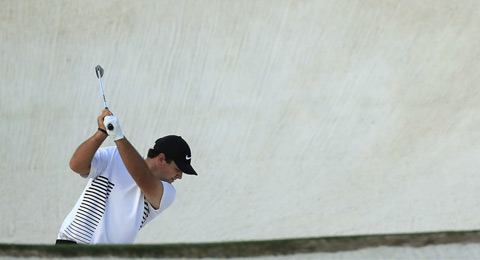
(305, 118)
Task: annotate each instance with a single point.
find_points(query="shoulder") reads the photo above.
(111, 152)
(103, 158)
(169, 188)
(168, 197)
(110, 149)
(106, 151)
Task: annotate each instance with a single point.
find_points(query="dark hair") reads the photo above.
(154, 153)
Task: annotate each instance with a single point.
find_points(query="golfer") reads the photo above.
(124, 191)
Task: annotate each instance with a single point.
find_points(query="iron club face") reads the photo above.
(99, 71)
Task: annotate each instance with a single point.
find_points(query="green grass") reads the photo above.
(243, 248)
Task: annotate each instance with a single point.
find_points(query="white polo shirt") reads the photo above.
(112, 208)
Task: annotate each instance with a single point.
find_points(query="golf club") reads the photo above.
(99, 71)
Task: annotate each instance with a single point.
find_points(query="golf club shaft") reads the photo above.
(99, 71)
(101, 86)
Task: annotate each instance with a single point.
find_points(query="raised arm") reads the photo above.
(82, 157)
(151, 186)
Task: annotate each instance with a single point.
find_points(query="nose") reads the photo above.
(179, 176)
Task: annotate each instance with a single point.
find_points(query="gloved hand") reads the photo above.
(113, 127)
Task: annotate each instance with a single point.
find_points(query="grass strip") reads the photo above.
(243, 248)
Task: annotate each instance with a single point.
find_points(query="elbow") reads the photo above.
(73, 165)
(78, 168)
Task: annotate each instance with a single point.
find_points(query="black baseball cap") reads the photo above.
(175, 148)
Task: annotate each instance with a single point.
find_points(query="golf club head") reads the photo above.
(99, 69)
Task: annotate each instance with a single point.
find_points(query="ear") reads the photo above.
(161, 157)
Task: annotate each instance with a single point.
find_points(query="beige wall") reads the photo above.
(305, 118)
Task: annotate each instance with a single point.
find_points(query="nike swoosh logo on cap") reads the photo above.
(188, 158)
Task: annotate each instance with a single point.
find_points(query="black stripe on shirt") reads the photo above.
(91, 211)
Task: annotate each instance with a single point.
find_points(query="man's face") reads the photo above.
(168, 172)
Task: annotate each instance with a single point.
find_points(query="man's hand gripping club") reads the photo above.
(113, 129)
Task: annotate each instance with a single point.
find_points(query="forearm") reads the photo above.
(82, 158)
(140, 172)
(151, 185)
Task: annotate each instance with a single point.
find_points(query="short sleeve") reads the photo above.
(168, 197)
(99, 162)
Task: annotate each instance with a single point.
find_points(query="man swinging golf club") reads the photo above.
(124, 191)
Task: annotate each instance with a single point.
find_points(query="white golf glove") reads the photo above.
(113, 127)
